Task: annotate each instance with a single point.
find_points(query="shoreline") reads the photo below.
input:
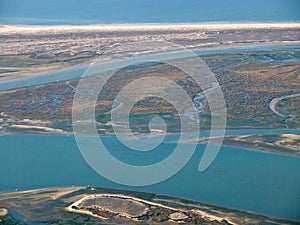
(202, 213)
(151, 26)
(245, 146)
(204, 209)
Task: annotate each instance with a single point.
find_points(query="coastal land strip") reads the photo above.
(257, 82)
(46, 48)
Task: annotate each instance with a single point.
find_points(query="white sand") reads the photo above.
(36, 127)
(3, 212)
(212, 217)
(138, 27)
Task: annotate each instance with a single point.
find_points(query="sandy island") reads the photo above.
(179, 213)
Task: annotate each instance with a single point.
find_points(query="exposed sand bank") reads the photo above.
(3, 212)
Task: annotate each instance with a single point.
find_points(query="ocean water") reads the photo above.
(238, 178)
(58, 12)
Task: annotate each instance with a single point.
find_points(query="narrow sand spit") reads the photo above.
(275, 101)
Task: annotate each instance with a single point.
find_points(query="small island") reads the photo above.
(91, 205)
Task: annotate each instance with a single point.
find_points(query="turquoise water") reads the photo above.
(55, 12)
(238, 178)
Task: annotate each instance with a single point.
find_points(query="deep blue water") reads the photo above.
(54, 12)
(238, 178)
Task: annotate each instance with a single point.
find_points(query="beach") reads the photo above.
(139, 27)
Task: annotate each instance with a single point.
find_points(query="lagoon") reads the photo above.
(257, 181)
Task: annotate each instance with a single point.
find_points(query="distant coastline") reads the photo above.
(153, 26)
